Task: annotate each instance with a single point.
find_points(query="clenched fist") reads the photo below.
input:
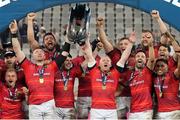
(31, 16)
(155, 14)
(13, 27)
(100, 22)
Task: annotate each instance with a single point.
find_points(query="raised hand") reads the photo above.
(31, 16)
(155, 14)
(100, 22)
(149, 37)
(25, 90)
(86, 48)
(99, 45)
(13, 27)
(132, 37)
(150, 43)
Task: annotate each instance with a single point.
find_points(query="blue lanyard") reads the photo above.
(65, 78)
(41, 72)
(104, 78)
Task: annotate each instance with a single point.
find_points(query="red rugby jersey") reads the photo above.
(84, 87)
(11, 108)
(115, 55)
(172, 65)
(125, 75)
(103, 98)
(169, 100)
(64, 96)
(141, 90)
(39, 92)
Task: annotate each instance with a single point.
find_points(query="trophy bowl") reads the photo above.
(78, 26)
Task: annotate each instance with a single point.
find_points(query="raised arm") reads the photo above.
(151, 59)
(125, 55)
(177, 71)
(155, 14)
(15, 43)
(65, 52)
(173, 42)
(97, 47)
(30, 31)
(102, 35)
(87, 50)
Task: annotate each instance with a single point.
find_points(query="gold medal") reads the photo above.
(160, 94)
(104, 87)
(65, 88)
(41, 80)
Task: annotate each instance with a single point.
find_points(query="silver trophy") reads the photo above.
(78, 27)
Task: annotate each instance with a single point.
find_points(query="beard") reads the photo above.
(10, 65)
(140, 66)
(50, 47)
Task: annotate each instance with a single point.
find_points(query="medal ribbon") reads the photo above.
(104, 79)
(160, 85)
(65, 78)
(41, 72)
(13, 94)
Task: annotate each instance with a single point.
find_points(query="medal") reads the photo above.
(160, 86)
(103, 87)
(41, 80)
(41, 74)
(65, 88)
(65, 79)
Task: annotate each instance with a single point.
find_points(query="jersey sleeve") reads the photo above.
(25, 64)
(55, 66)
(60, 60)
(91, 65)
(174, 76)
(119, 69)
(78, 60)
